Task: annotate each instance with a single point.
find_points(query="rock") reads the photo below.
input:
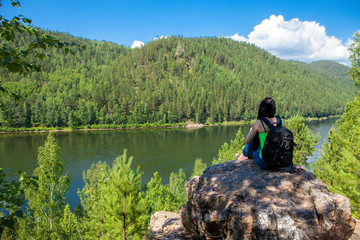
(192, 125)
(356, 234)
(238, 200)
(180, 50)
(167, 225)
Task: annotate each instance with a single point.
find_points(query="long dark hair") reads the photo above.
(267, 109)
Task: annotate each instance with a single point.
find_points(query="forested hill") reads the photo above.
(331, 68)
(168, 80)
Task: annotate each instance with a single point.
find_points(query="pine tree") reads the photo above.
(123, 203)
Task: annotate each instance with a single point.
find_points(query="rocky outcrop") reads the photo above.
(166, 226)
(237, 200)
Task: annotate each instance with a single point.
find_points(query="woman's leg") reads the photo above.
(259, 161)
(246, 154)
(248, 150)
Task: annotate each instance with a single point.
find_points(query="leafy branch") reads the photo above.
(16, 59)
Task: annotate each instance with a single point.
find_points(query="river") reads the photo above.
(162, 150)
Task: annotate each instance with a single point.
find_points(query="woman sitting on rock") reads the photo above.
(255, 139)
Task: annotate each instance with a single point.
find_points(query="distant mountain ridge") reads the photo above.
(170, 80)
(332, 67)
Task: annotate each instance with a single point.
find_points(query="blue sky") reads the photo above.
(300, 30)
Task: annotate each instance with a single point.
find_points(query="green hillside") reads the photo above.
(331, 67)
(168, 80)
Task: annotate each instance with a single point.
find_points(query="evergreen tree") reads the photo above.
(114, 206)
(209, 79)
(199, 168)
(123, 202)
(339, 165)
(303, 138)
(159, 197)
(177, 183)
(92, 215)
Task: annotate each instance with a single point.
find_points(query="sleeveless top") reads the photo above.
(262, 136)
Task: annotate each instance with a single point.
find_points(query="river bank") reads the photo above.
(109, 127)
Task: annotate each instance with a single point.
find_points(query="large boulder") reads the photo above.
(238, 200)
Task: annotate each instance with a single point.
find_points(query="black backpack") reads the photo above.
(279, 145)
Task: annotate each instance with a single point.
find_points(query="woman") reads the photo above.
(255, 139)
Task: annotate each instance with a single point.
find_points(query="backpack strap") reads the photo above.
(268, 123)
(263, 126)
(278, 121)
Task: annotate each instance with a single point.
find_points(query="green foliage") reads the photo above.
(90, 194)
(91, 208)
(114, 206)
(330, 68)
(304, 139)
(123, 203)
(15, 57)
(213, 79)
(354, 58)
(167, 197)
(23, 57)
(69, 225)
(160, 197)
(227, 152)
(11, 199)
(177, 183)
(339, 165)
(46, 199)
(199, 168)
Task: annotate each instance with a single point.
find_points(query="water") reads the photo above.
(161, 150)
(322, 127)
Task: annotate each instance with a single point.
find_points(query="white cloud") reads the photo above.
(295, 39)
(161, 37)
(237, 37)
(137, 44)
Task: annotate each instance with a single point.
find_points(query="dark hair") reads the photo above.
(266, 109)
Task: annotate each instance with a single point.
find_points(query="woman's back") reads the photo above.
(262, 127)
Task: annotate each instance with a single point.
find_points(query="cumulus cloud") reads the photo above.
(295, 39)
(137, 44)
(238, 38)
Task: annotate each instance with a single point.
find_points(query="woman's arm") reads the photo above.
(250, 136)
